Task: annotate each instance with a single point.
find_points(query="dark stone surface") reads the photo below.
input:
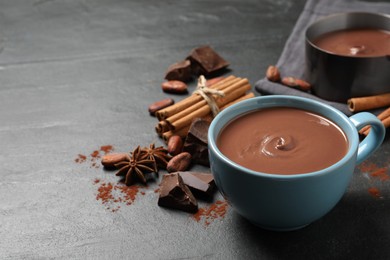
(76, 75)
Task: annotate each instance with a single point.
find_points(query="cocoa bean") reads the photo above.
(174, 87)
(109, 160)
(180, 162)
(273, 74)
(175, 145)
(296, 83)
(156, 106)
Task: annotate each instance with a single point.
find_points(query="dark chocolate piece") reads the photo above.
(196, 141)
(175, 194)
(206, 177)
(204, 61)
(179, 71)
(201, 184)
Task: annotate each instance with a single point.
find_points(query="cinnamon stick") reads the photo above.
(213, 81)
(164, 125)
(161, 127)
(228, 87)
(204, 110)
(384, 116)
(191, 100)
(367, 103)
(385, 122)
(183, 131)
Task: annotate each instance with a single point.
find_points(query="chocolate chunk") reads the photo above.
(196, 141)
(204, 61)
(175, 194)
(206, 177)
(201, 184)
(179, 71)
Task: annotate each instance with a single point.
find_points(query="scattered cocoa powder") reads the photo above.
(209, 214)
(368, 167)
(113, 195)
(381, 174)
(106, 148)
(375, 192)
(94, 156)
(80, 158)
(376, 172)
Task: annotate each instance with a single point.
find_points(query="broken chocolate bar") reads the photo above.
(196, 141)
(201, 184)
(179, 71)
(206, 177)
(175, 194)
(204, 61)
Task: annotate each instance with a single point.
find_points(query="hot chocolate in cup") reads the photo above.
(280, 192)
(347, 55)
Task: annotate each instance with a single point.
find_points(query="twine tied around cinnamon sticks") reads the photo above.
(206, 93)
(176, 119)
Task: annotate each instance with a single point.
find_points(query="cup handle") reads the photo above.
(375, 137)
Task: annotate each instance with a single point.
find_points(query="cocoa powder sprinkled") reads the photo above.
(368, 167)
(106, 148)
(80, 158)
(381, 174)
(113, 195)
(94, 156)
(214, 211)
(374, 172)
(375, 192)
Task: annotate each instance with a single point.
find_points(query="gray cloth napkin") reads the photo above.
(292, 59)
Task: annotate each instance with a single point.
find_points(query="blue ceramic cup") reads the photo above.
(289, 202)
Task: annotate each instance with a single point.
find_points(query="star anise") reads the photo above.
(136, 165)
(157, 154)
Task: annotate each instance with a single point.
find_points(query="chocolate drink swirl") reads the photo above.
(283, 141)
(355, 42)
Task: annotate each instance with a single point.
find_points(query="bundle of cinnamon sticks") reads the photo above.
(176, 119)
(372, 102)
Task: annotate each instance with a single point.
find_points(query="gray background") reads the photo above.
(76, 75)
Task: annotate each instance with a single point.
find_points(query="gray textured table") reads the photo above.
(78, 75)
